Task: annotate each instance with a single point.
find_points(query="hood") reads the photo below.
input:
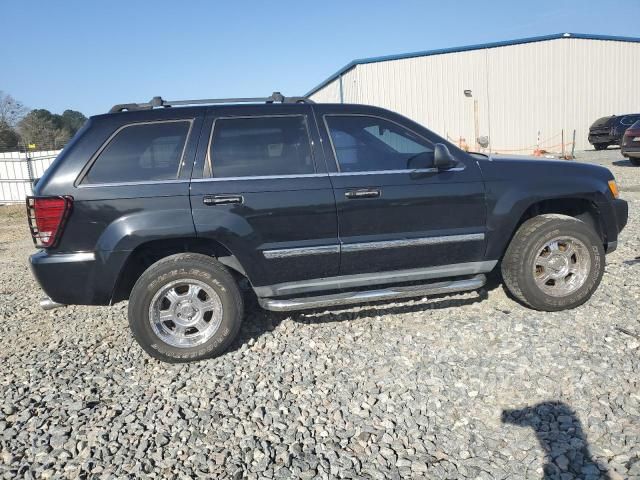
(603, 122)
(523, 169)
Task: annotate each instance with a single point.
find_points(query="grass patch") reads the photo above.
(13, 211)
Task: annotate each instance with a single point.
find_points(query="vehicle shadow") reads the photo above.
(632, 262)
(610, 147)
(560, 434)
(623, 163)
(259, 321)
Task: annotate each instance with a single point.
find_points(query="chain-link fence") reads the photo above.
(19, 170)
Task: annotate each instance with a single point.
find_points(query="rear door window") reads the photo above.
(259, 146)
(141, 152)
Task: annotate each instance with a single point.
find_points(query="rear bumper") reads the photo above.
(80, 278)
(631, 150)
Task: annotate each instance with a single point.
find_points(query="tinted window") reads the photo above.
(147, 151)
(243, 147)
(364, 143)
(602, 122)
(629, 120)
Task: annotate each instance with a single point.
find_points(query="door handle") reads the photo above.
(222, 200)
(363, 193)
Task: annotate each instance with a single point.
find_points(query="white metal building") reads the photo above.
(523, 93)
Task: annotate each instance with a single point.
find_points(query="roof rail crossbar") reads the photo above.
(159, 102)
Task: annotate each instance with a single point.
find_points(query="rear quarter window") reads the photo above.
(141, 152)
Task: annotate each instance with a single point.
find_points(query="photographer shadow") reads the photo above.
(560, 434)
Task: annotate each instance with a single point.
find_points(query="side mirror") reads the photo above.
(442, 158)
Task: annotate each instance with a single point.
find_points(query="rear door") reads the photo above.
(261, 188)
(395, 211)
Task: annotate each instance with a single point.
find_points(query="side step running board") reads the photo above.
(347, 298)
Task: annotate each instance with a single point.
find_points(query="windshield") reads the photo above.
(602, 122)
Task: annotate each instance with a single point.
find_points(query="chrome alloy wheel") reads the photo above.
(185, 313)
(562, 266)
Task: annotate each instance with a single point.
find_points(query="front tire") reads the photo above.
(600, 146)
(635, 161)
(554, 262)
(185, 307)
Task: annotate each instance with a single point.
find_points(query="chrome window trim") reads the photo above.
(260, 177)
(85, 170)
(377, 278)
(126, 184)
(389, 172)
(207, 159)
(300, 251)
(411, 242)
(333, 148)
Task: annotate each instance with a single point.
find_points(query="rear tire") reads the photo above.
(185, 307)
(554, 262)
(600, 146)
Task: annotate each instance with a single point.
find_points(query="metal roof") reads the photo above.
(478, 46)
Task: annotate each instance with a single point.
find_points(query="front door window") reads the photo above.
(366, 143)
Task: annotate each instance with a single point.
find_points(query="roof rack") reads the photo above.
(159, 102)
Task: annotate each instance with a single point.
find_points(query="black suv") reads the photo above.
(609, 130)
(314, 205)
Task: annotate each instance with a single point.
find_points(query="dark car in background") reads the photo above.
(630, 145)
(609, 130)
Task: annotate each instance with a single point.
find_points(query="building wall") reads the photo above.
(544, 86)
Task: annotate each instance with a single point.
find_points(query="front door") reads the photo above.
(395, 210)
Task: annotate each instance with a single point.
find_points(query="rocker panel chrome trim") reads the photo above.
(411, 242)
(348, 298)
(301, 251)
(356, 247)
(378, 278)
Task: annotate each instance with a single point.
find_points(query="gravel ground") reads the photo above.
(467, 386)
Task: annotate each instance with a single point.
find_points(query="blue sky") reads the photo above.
(88, 55)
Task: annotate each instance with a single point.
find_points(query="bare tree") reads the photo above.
(9, 138)
(37, 128)
(11, 110)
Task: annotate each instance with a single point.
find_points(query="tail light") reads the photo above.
(47, 216)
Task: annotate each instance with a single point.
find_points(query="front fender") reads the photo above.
(508, 200)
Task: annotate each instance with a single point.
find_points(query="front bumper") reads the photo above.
(600, 138)
(81, 278)
(621, 208)
(621, 213)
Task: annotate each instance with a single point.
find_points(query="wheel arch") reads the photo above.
(581, 208)
(584, 209)
(147, 253)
